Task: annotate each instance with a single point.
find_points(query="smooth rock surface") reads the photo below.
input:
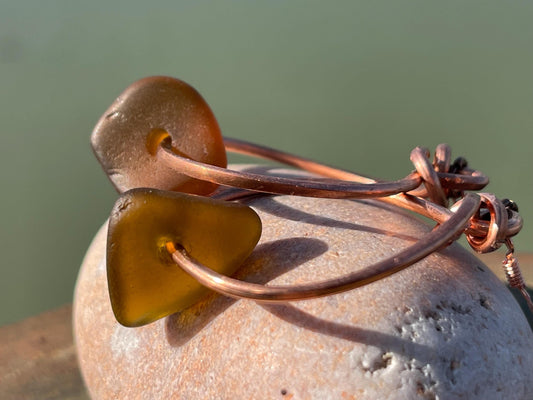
(445, 328)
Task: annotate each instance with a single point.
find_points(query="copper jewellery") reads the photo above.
(160, 134)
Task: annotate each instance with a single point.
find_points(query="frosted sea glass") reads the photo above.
(151, 110)
(144, 282)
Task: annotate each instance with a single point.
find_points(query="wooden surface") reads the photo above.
(38, 357)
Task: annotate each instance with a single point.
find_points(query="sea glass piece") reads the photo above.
(144, 282)
(153, 110)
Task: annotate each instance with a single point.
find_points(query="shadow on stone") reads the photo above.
(272, 206)
(268, 261)
(385, 342)
(520, 299)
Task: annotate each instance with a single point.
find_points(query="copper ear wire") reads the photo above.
(359, 186)
(343, 185)
(334, 188)
(441, 236)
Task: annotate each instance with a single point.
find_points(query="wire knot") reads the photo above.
(498, 220)
(442, 178)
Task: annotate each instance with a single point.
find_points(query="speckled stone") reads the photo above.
(445, 328)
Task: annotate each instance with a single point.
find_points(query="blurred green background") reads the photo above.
(356, 84)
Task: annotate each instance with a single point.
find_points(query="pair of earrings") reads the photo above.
(173, 235)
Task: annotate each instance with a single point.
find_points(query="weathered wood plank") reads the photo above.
(38, 359)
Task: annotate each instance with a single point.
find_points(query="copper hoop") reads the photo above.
(426, 191)
(433, 241)
(337, 189)
(497, 226)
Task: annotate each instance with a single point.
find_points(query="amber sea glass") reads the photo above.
(144, 282)
(149, 112)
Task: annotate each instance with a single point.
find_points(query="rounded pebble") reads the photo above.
(444, 328)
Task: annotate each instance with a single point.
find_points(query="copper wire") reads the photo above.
(425, 191)
(133, 141)
(359, 186)
(433, 241)
(419, 157)
(337, 189)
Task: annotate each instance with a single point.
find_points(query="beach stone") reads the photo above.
(444, 328)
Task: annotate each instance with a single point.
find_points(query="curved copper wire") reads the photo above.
(337, 189)
(255, 150)
(345, 184)
(441, 236)
(443, 158)
(425, 191)
(419, 157)
(496, 228)
(439, 184)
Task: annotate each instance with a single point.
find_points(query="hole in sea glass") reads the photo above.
(164, 244)
(157, 137)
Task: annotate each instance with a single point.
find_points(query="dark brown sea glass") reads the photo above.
(150, 111)
(144, 282)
